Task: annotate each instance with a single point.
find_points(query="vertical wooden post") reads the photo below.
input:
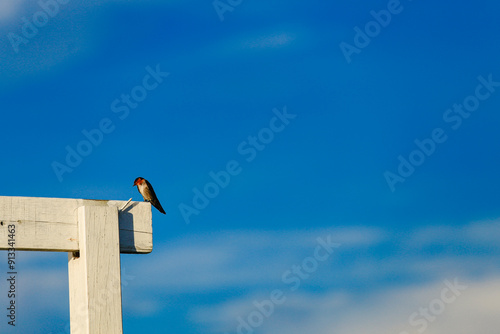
(94, 273)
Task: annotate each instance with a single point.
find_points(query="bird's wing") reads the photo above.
(154, 200)
(149, 190)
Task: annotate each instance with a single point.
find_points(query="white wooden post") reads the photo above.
(95, 271)
(94, 233)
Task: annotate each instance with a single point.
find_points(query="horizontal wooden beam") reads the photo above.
(51, 224)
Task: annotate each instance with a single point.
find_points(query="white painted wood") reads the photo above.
(124, 205)
(51, 224)
(94, 273)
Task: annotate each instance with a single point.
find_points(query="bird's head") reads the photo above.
(138, 181)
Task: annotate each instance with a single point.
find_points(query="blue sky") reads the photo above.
(175, 90)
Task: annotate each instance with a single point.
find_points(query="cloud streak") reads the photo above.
(376, 275)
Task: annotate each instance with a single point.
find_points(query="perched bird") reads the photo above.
(148, 193)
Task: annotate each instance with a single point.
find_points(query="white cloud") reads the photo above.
(361, 288)
(240, 258)
(9, 9)
(243, 259)
(384, 312)
(389, 312)
(482, 233)
(269, 41)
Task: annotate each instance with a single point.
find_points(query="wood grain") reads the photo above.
(51, 224)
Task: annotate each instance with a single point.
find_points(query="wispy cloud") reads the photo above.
(9, 9)
(482, 233)
(375, 275)
(240, 258)
(381, 312)
(269, 41)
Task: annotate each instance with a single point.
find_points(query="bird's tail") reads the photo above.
(157, 205)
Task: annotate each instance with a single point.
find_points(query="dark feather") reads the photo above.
(154, 200)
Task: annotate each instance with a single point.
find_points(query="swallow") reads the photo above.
(148, 193)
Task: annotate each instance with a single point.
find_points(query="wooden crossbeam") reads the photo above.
(51, 224)
(94, 233)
